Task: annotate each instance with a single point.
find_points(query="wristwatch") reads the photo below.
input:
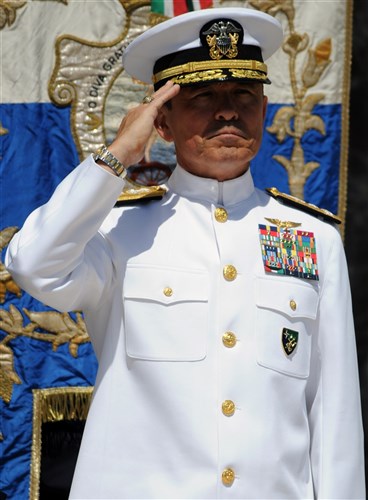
(104, 155)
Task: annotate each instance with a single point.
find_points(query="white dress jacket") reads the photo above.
(193, 377)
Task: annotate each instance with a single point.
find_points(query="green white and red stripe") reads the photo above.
(171, 8)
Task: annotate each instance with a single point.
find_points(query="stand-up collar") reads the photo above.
(210, 190)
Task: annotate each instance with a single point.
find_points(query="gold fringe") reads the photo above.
(64, 404)
(53, 405)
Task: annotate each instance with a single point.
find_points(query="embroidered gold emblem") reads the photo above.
(199, 76)
(48, 326)
(3, 131)
(248, 73)
(8, 375)
(239, 69)
(295, 121)
(222, 38)
(8, 10)
(7, 284)
(90, 77)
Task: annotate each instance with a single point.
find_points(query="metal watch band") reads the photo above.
(110, 160)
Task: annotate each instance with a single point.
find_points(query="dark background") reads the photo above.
(356, 231)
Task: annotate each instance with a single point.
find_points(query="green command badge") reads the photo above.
(289, 340)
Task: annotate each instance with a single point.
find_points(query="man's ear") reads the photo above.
(162, 126)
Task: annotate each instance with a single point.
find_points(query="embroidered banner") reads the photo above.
(64, 93)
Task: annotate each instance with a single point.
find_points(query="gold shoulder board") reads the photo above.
(303, 205)
(134, 192)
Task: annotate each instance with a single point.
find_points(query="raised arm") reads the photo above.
(58, 256)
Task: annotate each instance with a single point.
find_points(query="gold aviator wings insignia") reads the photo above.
(283, 224)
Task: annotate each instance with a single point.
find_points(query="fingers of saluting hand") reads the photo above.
(137, 126)
(164, 94)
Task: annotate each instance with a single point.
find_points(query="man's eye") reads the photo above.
(202, 95)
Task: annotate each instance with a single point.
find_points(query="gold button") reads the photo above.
(228, 477)
(228, 408)
(230, 272)
(168, 291)
(220, 214)
(292, 305)
(229, 339)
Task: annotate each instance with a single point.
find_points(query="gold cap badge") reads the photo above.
(222, 38)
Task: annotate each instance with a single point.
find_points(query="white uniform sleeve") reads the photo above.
(334, 398)
(58, 256)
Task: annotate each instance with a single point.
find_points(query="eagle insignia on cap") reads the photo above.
(222, 38)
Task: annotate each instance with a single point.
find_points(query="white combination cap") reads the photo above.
(205, 46)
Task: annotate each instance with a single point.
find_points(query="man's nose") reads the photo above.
(226, 109)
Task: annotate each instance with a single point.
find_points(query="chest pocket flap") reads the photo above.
(166, 313)
(285, 307)
(290, 298)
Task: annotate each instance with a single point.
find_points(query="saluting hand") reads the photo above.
(136, 127)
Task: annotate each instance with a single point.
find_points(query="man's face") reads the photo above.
(216, 128)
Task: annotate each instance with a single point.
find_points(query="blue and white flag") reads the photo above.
(305, 146)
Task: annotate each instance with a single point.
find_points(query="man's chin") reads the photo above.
(229, 155)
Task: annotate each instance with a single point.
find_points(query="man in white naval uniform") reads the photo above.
(224, 372)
